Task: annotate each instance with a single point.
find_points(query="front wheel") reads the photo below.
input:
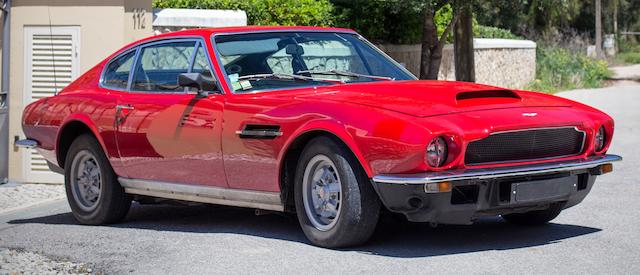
(93, 192)
(335, 202)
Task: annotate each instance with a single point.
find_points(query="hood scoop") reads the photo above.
(462, 96)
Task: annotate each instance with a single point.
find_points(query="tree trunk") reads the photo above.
(429, 41)
(463, 46)
(615, 25)
(599, 52)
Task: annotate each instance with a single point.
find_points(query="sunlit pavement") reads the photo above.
(601, 235)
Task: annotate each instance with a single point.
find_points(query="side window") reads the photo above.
(159, 65)
(201, 62)
(116, 74)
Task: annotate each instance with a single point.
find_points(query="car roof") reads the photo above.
(242, 29)
(206, 32)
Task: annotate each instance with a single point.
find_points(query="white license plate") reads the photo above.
(540, 190)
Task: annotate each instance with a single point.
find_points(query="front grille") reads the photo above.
(525, 145)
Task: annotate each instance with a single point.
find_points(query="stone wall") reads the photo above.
(499, 62)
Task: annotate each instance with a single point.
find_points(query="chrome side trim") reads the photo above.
(205, 194)
(499, 172)
(26, 143)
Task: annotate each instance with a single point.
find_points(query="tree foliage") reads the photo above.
(394, 21)
(400, 21)
(533, 18)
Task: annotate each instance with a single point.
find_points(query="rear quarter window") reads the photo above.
(116, 74)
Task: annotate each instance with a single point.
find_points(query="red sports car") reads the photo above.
(315, 121)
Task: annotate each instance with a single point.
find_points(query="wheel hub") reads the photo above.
(322, 194)
(86, 180)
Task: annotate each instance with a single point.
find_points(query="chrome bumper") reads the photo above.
(500, 172)
(26, 143)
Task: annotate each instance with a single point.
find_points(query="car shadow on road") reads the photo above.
(392, 238)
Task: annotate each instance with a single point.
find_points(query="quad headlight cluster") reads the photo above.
(437, 152)
(600, 139)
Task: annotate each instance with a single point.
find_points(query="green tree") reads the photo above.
(432, 44)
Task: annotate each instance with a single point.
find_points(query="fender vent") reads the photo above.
(255, 131)
(486, 94)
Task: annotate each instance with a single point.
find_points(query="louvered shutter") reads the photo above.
(51, 56)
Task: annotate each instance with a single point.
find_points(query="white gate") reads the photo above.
(51, 63)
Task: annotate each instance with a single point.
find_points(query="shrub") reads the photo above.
(480, 31)
(265, 12)
(629, 57)
(629, 53)
(559, 69)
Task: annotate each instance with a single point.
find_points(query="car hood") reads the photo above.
(432, 98)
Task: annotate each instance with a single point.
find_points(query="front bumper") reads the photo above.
(491, 191)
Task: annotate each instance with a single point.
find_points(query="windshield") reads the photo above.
(283, 60)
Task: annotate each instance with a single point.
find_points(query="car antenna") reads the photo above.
(53, 56)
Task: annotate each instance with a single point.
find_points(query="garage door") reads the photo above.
(51, 63)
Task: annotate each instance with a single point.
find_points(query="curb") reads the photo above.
(23, 207)
(635, 78)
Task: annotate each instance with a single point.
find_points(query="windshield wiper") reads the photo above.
(349, 74)
(289, 77)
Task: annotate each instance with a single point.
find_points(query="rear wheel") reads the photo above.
(538, 217)
(93, 192)
(335, 202)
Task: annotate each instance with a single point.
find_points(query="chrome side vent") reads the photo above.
(256, 131)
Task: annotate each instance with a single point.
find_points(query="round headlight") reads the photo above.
(437, 152)
(600, 139)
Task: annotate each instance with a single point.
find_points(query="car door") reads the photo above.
(167, 133)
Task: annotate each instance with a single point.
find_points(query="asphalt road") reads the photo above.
(601, 235)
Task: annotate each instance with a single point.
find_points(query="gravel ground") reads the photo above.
(17, 196)
(16, 262)
(626, 72)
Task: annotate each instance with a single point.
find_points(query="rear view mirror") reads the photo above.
(204, 84)
(294, 49)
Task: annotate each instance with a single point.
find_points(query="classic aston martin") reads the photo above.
(312, 121)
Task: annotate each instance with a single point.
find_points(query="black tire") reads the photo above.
(359, 206)
(113, 203)
(538, 217)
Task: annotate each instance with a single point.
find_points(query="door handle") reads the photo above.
(122, 112)
(124, 107)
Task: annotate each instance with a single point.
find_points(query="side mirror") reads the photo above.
(203, 83)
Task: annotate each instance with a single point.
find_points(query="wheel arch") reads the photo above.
(293, 150)
(69, 131)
